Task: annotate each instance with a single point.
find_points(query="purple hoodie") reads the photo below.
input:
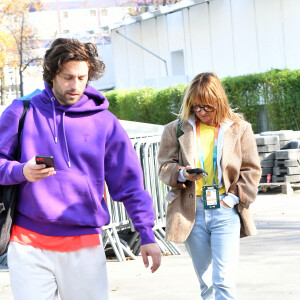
(89, 147)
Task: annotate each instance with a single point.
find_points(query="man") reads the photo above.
(55, 244)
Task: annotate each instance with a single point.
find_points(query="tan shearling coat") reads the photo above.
(241, 174)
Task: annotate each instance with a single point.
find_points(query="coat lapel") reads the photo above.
(230, 139)
(186, 142)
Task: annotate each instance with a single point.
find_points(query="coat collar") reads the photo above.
(230, 137)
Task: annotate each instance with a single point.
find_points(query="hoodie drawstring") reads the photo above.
(66, 143)
(55, 130)
(54, 120)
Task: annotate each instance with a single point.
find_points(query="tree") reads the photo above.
(6, 56)
(6, 49)
(15, 23)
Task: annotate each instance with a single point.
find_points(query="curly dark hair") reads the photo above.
(63, 50)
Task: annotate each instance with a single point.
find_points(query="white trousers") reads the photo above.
(37, 274)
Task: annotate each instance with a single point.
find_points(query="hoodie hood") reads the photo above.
(90, 101)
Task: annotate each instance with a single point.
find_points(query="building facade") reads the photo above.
(229, 37)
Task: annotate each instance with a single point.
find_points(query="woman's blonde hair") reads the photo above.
(207, 89)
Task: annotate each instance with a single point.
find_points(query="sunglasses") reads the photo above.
(198, 108)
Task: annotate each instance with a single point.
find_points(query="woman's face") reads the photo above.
(205, 113)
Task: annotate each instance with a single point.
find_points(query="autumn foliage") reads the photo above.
(18, 38)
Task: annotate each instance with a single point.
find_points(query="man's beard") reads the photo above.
(65, 99)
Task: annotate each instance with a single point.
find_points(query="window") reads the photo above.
(104, 12)
(65, 14)
(93, 13)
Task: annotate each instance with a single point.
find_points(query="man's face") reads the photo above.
(70, 82)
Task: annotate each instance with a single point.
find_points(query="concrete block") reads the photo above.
(267, 163)
(279, 163)
(294, 144)
(288, 154)
(266, 156)
(287, 163)
(284, 135)
(293, 170)
(276, 171)
(288, 171)
(297, 134)
(268, 148)
(286, 178)
(284, 144)
(266, 171)
(267, 140)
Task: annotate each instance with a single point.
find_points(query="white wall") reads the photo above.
(120, 61)
(175, 30)
(163, 49)
(107, 81)
(270, 34)
(291, 24)
(201, 54)
(150, 42)
(245, 37)
(229, 37)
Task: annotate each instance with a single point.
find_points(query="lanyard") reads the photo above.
(214, 151)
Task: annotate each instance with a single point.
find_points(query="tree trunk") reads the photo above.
(21, 82)
(21, 57)
(16, 86)
(3, 88)
(3, 95)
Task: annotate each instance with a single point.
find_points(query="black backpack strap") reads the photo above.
(179, 132)
(26, 104)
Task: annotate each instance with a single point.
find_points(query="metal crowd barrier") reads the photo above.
(119, 222)
(147, 150)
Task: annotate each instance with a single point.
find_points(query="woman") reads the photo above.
(210, 213)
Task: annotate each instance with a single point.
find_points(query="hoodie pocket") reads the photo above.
(66, 196)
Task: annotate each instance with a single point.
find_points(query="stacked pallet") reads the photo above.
(279, 154)
(266, 147)
(286, 166)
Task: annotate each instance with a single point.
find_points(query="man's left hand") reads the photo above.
(153, 251)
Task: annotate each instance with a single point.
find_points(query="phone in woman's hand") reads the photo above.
(196, 171)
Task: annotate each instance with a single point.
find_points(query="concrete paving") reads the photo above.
(269, 266)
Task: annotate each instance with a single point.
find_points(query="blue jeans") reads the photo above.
(213, 245)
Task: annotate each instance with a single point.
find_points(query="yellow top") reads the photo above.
(207, 144)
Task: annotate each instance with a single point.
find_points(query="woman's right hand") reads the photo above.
(191, 177)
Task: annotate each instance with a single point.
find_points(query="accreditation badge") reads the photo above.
(211, 197)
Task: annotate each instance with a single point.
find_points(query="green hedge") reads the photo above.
(274, 96)
(131, 105)
(146, 105)
(277, 92)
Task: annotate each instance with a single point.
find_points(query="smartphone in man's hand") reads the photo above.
(196, 171)
(46, 160)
